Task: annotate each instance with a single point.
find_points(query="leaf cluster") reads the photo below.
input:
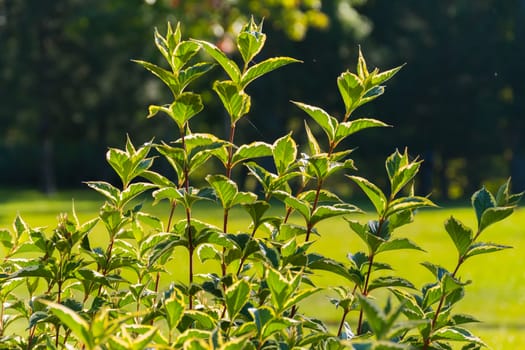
(75, 289)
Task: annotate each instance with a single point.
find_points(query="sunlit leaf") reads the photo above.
(373, 192)
(265, 67)
(236, 102)
(236, 296)
(73, 321)
(460, 234)
(284, 153)
(228, 65)
(325, 121)
(351, 88)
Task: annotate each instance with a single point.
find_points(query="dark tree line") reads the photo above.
(69, 89)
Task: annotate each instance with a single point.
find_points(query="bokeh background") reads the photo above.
(68, 88)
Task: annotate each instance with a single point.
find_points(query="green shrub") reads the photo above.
(68, 289)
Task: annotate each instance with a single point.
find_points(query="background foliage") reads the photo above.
(456, 104)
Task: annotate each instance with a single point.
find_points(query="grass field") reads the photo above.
(496, 295)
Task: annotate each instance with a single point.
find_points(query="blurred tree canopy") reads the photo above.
(69, 89)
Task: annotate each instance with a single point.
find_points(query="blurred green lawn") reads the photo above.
(496, 296)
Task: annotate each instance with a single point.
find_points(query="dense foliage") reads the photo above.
(73, 290)
(69, 89)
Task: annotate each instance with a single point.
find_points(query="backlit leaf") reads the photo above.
(373, 192)
(389, 281)
(346, 129)
(460, 234)
(166, 76)
(183, 52)
(325, 121)
(457, 334)
(252, 150)
(484, 248)
(228, 65)
(284, 153)
(265, 67)
(236, 102)
(73, 321)
(351, 89)
(398, 243)
(185, 106)
(236, 296)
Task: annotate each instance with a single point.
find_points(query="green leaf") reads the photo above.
(301, 206)
(189, 74)
(450, 283)
(92, 276)
(183, 52)
(351, 88)
(457, 334)
(300, 295)
(6, 239)
(252, 150)
(432, 295)
(275, 325)
(256, 211)
(36, 270)
(493, 215)
(484, 248)
(481, 201)
(374, 315)
(371, 94)
(346, 129)
(397, 244)
(134, 190)
(236, 296)
(326, 122)
(174, 306)
(228, 65)
(462, 319)
(408, 203)
(162, 43)
(333, 266)
(238, 344)
(403, 175)
(284, 153)
(389, 281)
(166, 76)
(362, 70)
(279, 288)
(73, 321)
(312, 141)
(411, 309)
(20, 226)
(263, 68)
(185, 339)
(185, 106)
(323, 196)
(460, 234)
(395, 162)
(106, 189)
(225, 189)
(37, 317)
(373, 192)
(205, 321)
(323, 212)
(505, 198)
(386, 75)
(206, 252)
(250, 41)
(236, 102)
